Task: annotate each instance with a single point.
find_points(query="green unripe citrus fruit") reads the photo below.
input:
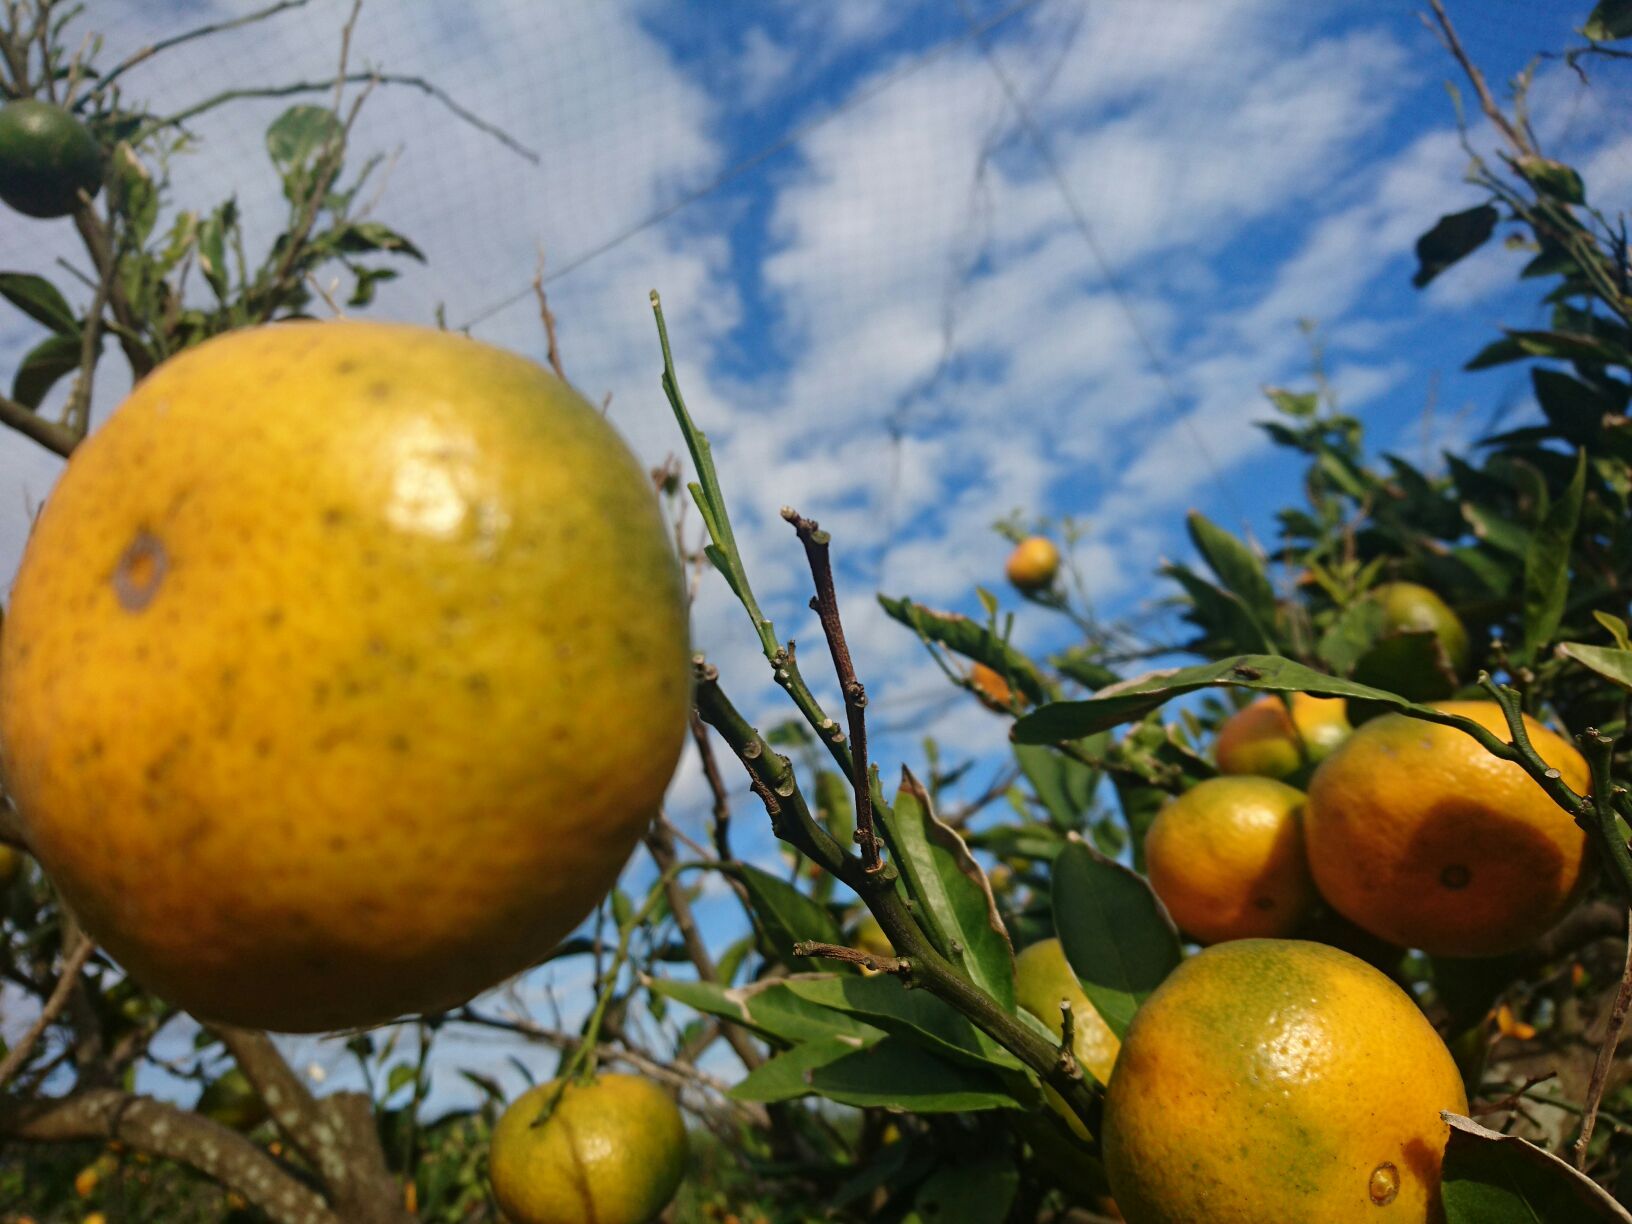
(46, 158)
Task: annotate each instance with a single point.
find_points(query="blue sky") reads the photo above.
(887, 314)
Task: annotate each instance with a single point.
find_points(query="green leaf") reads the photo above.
(360, 236)
(972, 641)
(400, 1075)
(300, 134)
(891, 1073)
(1293, 403)
(212, 260)
(1115, 932)
(1219, 614)
(1492, 1178)
(1613, 665)
(1064, 785)
(770, 1007)
(978, 1192)
(1616, 628)
(42, 366)
(884, 1002)
(1611, 20)
(1238, 569)
(1454, 237)
(1356, 630)
(1497, 352)
(786, 914)
(1133, 699)
(39, 300)
(1571, 407)
(1547, 565)
(945, 879)
(1569, 346)
(1553, 178)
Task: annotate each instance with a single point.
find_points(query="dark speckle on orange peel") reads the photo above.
(352, 521)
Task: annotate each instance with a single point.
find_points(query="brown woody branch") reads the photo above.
(336, 1134)
(900, 966)
(71, 965)
(826, 606)
(1601, 1064)
(164, 1130)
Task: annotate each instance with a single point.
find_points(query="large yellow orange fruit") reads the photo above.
(1227, 859)
(345, 666)
(613, 1151)
(1264, 738)
(1418, 835)
(1268, 1081)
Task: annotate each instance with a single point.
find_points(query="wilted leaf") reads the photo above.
(1492, 1178)
(39, 299)
(1115, 933)
(1454, 237)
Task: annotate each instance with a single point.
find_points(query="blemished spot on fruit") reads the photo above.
(1385, 1184)
(1455, 875)
(140, 572)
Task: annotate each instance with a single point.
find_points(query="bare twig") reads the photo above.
(1487, 102)
(548, 316)
(175, 40)
(1601, 1064)
(71, 965)
(900, 966)
(716, 788)
(826, 606)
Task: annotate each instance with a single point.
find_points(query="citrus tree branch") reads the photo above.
(54, 437)
(164, 1130)
(71, 965)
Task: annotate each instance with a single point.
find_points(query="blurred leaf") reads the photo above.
(1553, 178)
(300, 134)
(1355, 631)
(1616, 628)
(42, 366)
(212, 258)
(1133, 699)
(1491, 1178)
(487, 1084)
(1569, 346)
(1611, 20)
(1574, 409)
(1497, 352)
(1064, 785)
(1613, 665)
(947, 881)
(357, 237)
(1221, 616)
(1454, 237)
(730, 961)
(769, 1007)
(836, 806)
(1238, 569)
(1547, 565)
(1292, 403)
(400, 1076)
(786, 914)
(1077, 664)
(39, 299)
(979, 1192)
(891, 1073)
(971, 640)
(1115, 933)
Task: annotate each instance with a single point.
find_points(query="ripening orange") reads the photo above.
(1418, 835)
(1274, 1081)
(1033, 564)
(1262, 738)
(1227, 859)
(346, 664)
(992, 689)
